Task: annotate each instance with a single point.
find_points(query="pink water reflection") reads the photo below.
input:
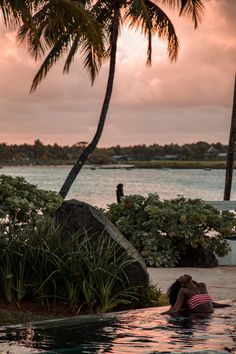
(147, 331)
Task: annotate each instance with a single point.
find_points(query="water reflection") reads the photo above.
(189, 331)
(85, 337)
(140, 332)
(151, 331)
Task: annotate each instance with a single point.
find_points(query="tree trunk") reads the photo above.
(231, 148)
(91, 147)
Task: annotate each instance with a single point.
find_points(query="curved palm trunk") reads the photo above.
(231, 148)
(91, 147)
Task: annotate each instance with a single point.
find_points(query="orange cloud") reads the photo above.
(179, 102)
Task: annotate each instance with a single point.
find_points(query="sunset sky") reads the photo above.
(182, 102)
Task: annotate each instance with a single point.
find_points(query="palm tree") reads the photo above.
(231, 149)
(145, 15)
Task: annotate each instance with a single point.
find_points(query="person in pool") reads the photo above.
(185, 294)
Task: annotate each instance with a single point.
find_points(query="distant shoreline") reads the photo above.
(163, 164)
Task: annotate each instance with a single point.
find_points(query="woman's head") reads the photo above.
(173, 290)
(184, 279)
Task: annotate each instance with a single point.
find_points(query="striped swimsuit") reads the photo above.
(198, 299)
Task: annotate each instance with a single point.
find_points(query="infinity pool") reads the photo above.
(137, 331)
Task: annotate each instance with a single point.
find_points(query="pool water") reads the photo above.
(143, 331)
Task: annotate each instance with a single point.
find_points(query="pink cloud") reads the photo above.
(181, 102)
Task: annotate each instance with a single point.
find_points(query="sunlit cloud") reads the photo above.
(186, 101)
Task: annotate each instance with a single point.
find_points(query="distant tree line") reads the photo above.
(38, 153)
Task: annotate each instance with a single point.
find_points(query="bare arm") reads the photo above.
(179, 302)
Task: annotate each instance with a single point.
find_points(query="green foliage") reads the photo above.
(36, 264)
(153, 296)
(21, 201)
(162, 231)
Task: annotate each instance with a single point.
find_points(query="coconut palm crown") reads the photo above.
(93, 27)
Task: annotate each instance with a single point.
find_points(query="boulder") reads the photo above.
(74, 215)
(198, 257)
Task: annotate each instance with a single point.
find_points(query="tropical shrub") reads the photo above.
(163, 231)
(154, 297)
(21, 202)
(37, 265)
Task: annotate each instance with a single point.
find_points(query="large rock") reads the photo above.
(74, 215)
(198, 257)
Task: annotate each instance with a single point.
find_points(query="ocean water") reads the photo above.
(98, 187)
(143, 331)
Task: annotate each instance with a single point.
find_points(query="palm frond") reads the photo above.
(153, 21)
(91, 60)
(16, 12)
(56, 22)
(73, 14)
(34, 35)
(54, 55)
(103, 13)
(72, 52)
(193, 9)
(52, 20)
(138, 15)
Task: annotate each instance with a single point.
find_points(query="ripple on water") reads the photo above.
(143, 331)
